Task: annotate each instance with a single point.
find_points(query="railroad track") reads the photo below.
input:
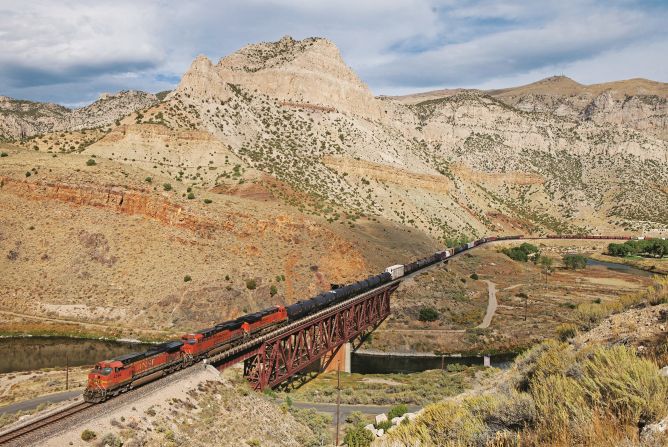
(23, 430)
(14, 435)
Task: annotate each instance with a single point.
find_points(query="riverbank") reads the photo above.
(36, 353)
(530, 306)
(13, 324)
(655, 266)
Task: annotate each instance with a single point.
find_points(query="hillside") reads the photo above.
(493, 167)
(20, 119)
(280, 163)
(603, 386)
(638, 104)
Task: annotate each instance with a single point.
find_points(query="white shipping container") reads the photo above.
(397, 271)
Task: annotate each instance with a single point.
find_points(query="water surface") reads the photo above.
(622, 268)
(30, 353)
(390, 364)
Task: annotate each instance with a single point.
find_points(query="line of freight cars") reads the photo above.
(120, 374)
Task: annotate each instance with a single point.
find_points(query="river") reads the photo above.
(621, 268)
(30, 353)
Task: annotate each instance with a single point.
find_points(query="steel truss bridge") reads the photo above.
(275, 357)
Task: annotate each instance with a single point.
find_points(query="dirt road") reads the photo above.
(491, 305)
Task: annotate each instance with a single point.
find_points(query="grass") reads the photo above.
(386, 389)
(556, 396)
(590, 314)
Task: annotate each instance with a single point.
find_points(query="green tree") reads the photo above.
(575, 262)
(546, 263)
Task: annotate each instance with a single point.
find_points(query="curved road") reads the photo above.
(491, 305)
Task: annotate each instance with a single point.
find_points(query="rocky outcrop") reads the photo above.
(20, 119)
(116, 198)
(636, 103)
(309, 71)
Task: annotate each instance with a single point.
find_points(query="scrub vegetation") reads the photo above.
(605, 394)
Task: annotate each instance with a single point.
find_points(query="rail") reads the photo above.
(245, 349)
(16, 433)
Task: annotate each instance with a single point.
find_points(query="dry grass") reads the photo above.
(557, 396)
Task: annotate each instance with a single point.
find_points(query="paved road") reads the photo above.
(36, 402)
(319, 407)
(347, 409)
(491, 305)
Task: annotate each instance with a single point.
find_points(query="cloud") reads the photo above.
(71, 51)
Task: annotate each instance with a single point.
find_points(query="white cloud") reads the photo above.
(71, 51)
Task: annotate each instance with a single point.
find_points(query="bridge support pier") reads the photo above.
(306, 342)
(340, 356)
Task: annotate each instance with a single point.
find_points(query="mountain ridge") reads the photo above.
(294, 111)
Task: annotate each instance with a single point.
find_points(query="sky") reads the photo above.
(71, 51)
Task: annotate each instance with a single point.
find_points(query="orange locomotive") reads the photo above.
(115, 376)
(120, 374)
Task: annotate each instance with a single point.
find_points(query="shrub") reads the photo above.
(629, 387)
(191, 195)
(4, 154)
(111, 440)
(561, 404)
(355, 417)
(273, 290)
(521, 253)
(397, 411)
(575, 262)
(358, 436)
(251, 284)
(88, 435)
(383, 425)
(596, 396)
(474, 276)
(428, 314)
(28, 174)
(166, 186)
(566, 331)
(187, 278)
(207, 201)
(148, 179)
(591, 314)
(90, 162)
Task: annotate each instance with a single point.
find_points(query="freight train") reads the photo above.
(120, 374)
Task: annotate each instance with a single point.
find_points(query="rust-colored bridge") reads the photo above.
(275, 357)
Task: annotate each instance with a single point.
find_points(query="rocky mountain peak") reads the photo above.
(309, 71)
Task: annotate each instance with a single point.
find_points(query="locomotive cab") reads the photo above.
(104, 372)
(102, 379)
(190, 343)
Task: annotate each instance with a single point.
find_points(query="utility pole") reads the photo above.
(67, 372)
(338, 399)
